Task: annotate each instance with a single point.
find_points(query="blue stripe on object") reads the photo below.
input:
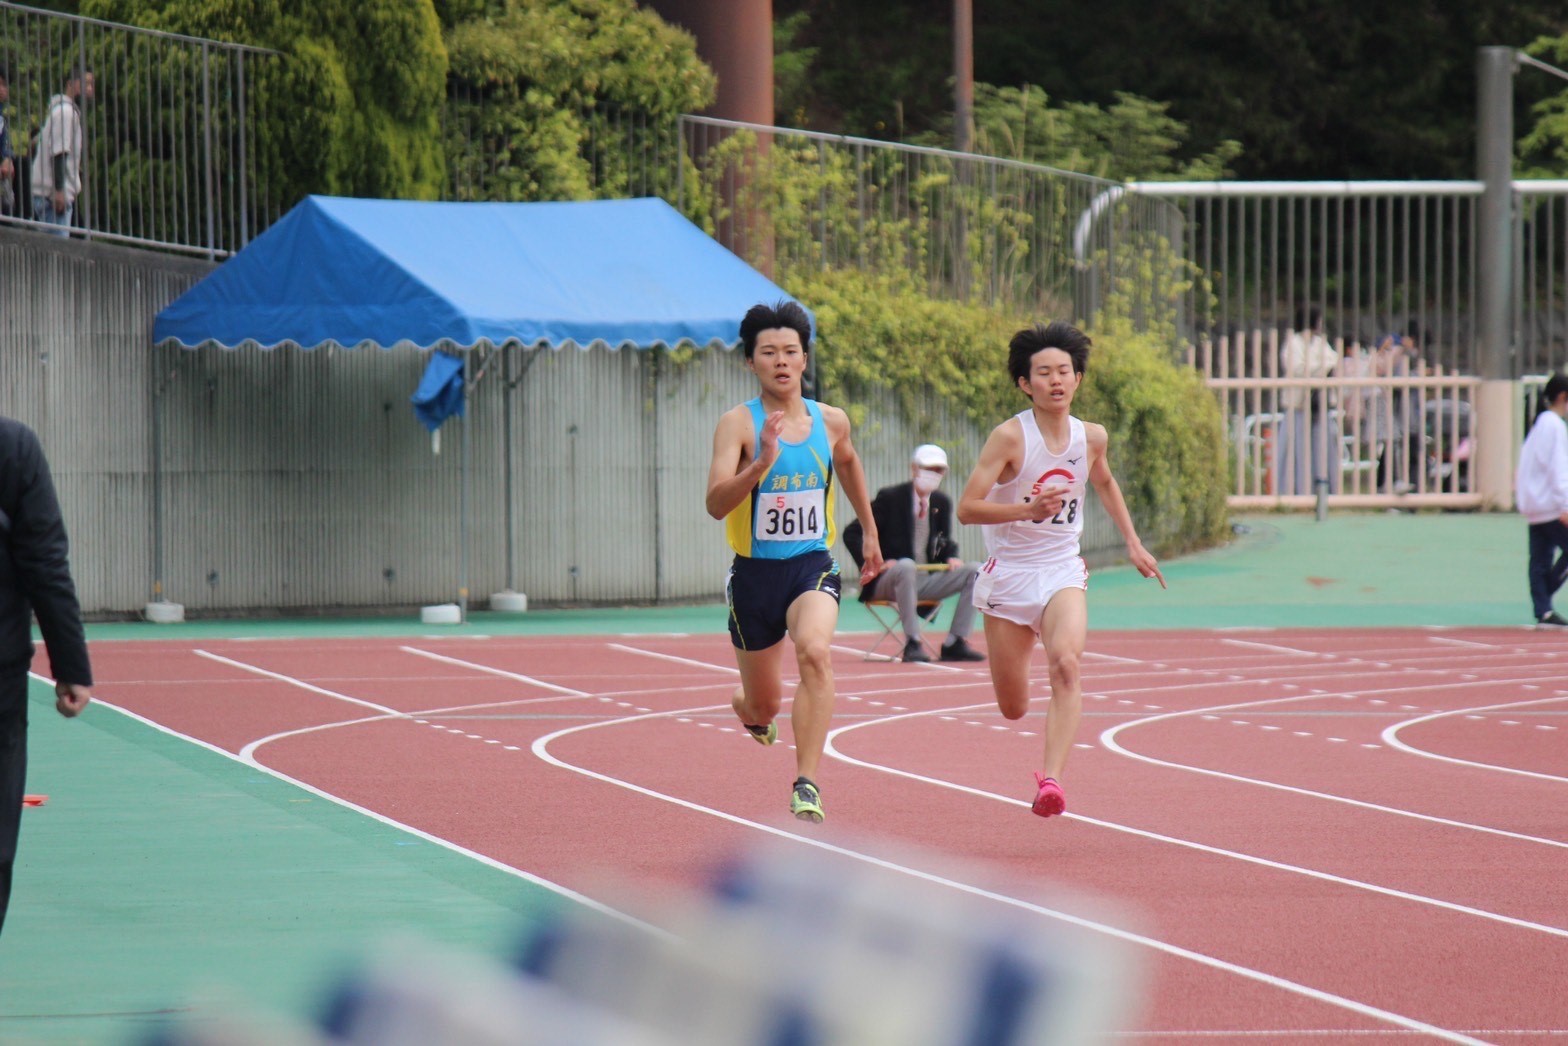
(1007, 990)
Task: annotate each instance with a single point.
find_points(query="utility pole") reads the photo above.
(963, 75)
(1494, 160)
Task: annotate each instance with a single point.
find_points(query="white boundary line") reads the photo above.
(1391, 737)
(553, 887)
(1280, 866)
(541, 749)
(1109, 739)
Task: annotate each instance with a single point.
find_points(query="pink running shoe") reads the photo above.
(1049, 801)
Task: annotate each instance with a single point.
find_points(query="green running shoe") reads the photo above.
(763, 735)
(805, 802)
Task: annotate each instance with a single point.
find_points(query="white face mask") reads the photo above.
(926, 480)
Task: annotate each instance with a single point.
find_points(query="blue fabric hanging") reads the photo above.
(440, 392)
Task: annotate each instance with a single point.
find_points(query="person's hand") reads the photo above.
(953, 562)
(1147, 565)
(1045, 504)
(71, 698)
(6, 168)
(772, 429)
(871, 560)
(59, 201)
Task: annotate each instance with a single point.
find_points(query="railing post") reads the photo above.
(206, 148)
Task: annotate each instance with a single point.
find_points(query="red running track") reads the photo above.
(1304, 833)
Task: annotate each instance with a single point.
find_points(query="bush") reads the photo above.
(1167, 445)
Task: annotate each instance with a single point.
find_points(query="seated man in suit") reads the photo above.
(915, 526)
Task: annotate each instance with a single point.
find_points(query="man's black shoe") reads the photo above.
(959, 650)
(914, 650)
(1551, 618)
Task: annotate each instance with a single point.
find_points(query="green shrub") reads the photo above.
(1167, 445)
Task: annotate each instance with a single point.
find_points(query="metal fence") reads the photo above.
(172, 129)
(969, 227)
(1378, 258)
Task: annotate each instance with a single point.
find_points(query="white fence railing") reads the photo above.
(1357, 442)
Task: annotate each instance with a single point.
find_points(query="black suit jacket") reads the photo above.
(35, 574)
(894, 510)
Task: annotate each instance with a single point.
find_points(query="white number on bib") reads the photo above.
(797, 515)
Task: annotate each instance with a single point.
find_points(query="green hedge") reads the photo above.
(1167, 444)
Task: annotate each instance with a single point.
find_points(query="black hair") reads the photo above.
(1057, 335)
(782, 315)
(1309, 318)
(1556, 385)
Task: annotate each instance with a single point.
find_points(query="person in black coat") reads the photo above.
(915, 527)
(35, 578)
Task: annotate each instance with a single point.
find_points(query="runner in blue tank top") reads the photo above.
(775, 462)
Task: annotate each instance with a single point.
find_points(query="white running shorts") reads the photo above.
(1020, 594)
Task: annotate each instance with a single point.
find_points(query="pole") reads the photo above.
(963, 74)
(462, 484)
(1494, 257)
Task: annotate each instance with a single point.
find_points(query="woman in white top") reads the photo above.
(1541, 492)
(1308, 443)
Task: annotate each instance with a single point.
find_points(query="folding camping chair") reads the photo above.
(885, 613)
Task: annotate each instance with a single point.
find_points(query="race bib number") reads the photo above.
(797, 515)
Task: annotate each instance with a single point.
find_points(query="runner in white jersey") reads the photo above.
(1027, 492)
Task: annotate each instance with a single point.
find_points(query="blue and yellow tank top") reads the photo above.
(790, 512)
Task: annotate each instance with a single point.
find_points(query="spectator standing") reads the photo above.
(35, 578)
(1541, 492)
(1308, 444)
(915, 528)
(57, 159)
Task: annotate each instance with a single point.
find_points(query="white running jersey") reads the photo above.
(1027, 543)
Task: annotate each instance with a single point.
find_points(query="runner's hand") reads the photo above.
(1046, 504)
(871, 562)
(1147, 565)
(772, 429)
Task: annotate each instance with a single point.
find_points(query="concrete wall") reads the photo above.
(250, 481)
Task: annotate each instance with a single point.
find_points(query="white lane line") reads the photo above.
(1273, 648)
(541, 749)
(1095, 655)
(841, 648)
(1110, 740)
(530, 680)
(553, 887)
(1391, 737)
(1464, 643)
(672, 658)
(1236, 855)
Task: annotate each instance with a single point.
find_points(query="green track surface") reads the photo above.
(165, 877)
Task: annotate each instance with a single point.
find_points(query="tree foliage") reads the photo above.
(1309, 88)
(355, 110)
(1133, 138)
(1166, 433)
(533, 84)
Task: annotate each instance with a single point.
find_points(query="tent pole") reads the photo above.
(506, 465)
(157, 480)
(462, 475)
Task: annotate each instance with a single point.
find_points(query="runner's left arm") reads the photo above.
(1110, 493)
(852, 476)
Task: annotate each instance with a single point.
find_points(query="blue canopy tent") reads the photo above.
(460, 276)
